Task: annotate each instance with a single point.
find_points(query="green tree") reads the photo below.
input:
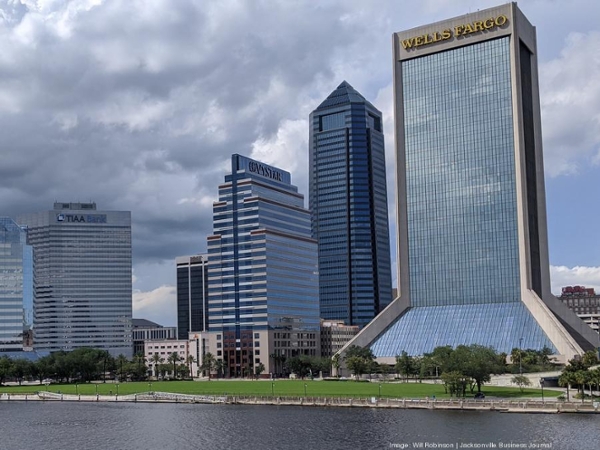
(156, 361)
(336, 364)
(357, 365)
(590, 358)
(568, 379)
(220, 367)
(208, 364)
(20, 368)
(521, 381)
(174, 358)
(582, 377)
(405, 365)
(141, 371)
(189, 361)
(122, 365)
(5, 368)
(259, 369)
(301, 366)
(480, 363)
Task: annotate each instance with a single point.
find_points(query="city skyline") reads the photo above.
(149, 125)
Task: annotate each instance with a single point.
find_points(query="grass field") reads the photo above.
(283, 388)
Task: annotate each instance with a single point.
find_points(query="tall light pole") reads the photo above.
(272, 388)
(305, 389)
(542, 385)
(379, 390)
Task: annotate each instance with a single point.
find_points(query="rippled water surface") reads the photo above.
(94, 426)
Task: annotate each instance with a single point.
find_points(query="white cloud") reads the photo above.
(562, 276)
(570, 97)
(158, 305)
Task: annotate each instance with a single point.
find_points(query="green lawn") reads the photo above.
(278, 388)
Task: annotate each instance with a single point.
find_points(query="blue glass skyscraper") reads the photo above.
(262, 271)
(472, 242)
(348, 202)
(16, 285)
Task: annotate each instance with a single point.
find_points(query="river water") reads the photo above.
(139, 426)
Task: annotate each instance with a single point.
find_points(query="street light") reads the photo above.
(76, 389)
(542, 380)
(379, 390)
(305, 389)
(96, 389)
(272, 388)
(117, 389)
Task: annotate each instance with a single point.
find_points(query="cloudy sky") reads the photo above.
(138, 105)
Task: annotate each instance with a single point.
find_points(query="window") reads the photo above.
(219, 352)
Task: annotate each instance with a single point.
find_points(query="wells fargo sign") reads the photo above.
(460, 30)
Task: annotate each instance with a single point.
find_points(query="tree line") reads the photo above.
(460, 369)
(82, 365)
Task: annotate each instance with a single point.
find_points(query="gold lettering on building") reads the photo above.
(478, 26)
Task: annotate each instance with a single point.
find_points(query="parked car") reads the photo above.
(479, 395)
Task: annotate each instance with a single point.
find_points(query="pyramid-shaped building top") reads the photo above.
(343, 95)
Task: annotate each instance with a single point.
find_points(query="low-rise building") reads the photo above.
(145, 330)
(334, 335)
(584, 302)
(158, 353)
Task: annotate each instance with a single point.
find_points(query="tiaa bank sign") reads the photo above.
(81, 218)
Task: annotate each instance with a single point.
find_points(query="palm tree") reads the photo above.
(208, 363)
(582, 377)
(595, 378)
(220, 367)
(174, 358)
(567, 379)
(190, 360)
(156, 359)
(335, 364)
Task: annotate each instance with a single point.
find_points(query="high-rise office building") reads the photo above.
(348, 203)
(82, 276)
(263, 297)
(16, 286)
(472, 241)
(192, 294)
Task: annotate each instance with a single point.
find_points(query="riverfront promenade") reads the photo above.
(498, 405)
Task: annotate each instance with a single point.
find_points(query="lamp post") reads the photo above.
(117, 389)
(150, 387)
(272, 388)
(542, 385)
(305, 389)
(96, 389)
(76, 389)
(379, 390)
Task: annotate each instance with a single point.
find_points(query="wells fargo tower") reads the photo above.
(472, 240)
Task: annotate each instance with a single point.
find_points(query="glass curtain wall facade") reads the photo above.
(192, 295)
(82, 277)
(16, 286)
(263, 281)
(472, 243)
(348, 202)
